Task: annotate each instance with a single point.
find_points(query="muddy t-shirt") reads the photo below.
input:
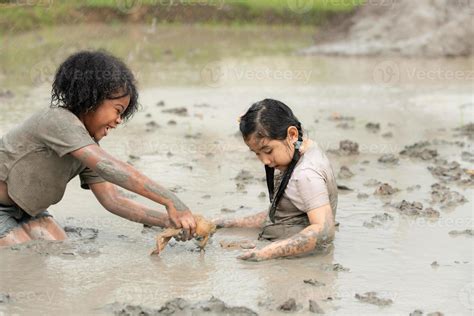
(311, 186)
(35, 161)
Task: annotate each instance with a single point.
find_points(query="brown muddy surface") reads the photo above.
(383, 245)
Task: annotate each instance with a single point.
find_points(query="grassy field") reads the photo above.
(21, 15)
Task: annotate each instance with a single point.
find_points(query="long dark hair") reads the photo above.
(271, 119)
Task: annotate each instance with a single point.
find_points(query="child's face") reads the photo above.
(107, 116)
(274, 153)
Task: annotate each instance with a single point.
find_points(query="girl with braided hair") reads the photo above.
(303, 195)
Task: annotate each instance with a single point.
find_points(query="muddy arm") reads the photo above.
(253, 221)
(111, 199)
(127, 177)
(321, 229)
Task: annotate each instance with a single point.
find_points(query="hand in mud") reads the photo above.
(184, 220)
(253, 255)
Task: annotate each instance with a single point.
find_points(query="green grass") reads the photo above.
(15, 16)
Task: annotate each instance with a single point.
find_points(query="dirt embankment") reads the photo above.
(423, 28)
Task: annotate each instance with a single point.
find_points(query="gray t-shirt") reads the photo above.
(311, 186)
(34, 160)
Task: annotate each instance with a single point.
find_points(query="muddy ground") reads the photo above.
(404, 244)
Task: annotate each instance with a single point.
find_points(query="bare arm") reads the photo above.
(110, 198)
(252, 221)
(127, 177)
(320, 230)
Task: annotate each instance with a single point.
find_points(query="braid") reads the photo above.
(270, 172)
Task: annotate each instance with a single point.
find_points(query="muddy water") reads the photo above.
(413, 99)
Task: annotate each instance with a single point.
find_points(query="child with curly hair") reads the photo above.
(93, 92)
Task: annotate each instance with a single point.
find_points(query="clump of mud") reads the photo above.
(288, 306)
(451, 172)
(467, 232)
(179, 306)
(334, 267)
(315, 308)
(181, 111)
(422, 28)
(345, 173)
(389, 159)
(419, 150)
(385, 189)
(314, 282)
(371, 298)
(378, 220)
(466, 130)
(373, 127)
(346, 148)
(445, 197)
(415, 209)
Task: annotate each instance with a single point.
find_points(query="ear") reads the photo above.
(292, 134)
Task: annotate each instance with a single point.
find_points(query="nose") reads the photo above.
(265, 160)
(119, 119)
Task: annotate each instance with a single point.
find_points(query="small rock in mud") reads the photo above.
(227, 210)
(345, 125)
(434, 264)
(206, 196)
(148, 115)
(372, 183)
(443, 195)
(365, 162)
(8, 94)
(387, 135)
(345, 173)
(388, 159)
(244, 176)
(371, 298)
(153, 124)
(373, 127)
(160, 103)
(193, 136)
(315, 308)
(339, 117)
(416, 312)
(362, 196)
(466, 130)
(4, 298)
(415, 209)
(288, 306)
(347, 148)
(334, 267)
(314, 282)
(241, 244)
(385, 189)
(341, 187)
(467, 232)
(172, 122)
(378, 220)
(81, 232)
(262, 195)
(133, 157)
(413, 188)
(419, 150)
(181, 111)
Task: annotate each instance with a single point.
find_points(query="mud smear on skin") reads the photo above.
(365, 258)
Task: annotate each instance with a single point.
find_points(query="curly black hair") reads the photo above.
(87, 78)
